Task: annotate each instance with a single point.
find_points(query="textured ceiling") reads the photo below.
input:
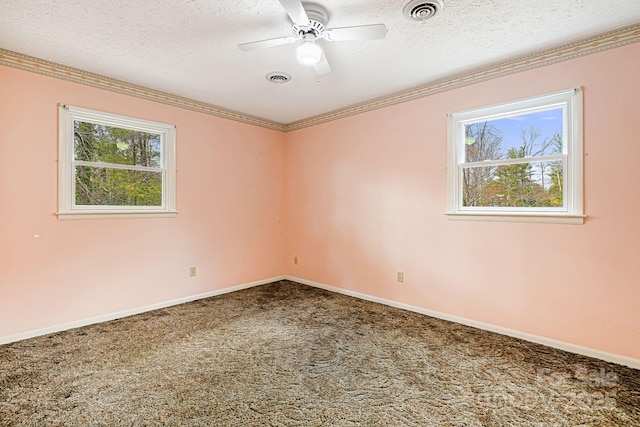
(189, 48)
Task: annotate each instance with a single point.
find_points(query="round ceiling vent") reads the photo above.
(421, 10)
(278, 78)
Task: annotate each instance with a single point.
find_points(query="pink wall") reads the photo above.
(356, 200)
(229, 225)
(366, 197)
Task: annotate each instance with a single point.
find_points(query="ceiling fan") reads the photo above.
(309, 25)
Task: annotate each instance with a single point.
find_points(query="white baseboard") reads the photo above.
(585, 351)
(112, 316)
(572, 348)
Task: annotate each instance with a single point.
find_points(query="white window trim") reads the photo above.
(572, 212)
(67, 209)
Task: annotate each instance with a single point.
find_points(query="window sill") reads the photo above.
(548, 218)
(114, 215)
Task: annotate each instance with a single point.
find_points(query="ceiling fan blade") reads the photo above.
(360, 32)
(296, 12)
(322, 67)
(262, 44)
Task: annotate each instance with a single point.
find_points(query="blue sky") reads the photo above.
(546, 122)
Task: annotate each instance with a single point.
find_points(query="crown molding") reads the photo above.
(75, 75)
(610, 40)
(617, 38)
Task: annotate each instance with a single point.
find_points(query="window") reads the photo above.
(113, 166)
(519, 161)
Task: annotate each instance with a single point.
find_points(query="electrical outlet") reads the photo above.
(192, 272)
(295, 260)
(400, 277)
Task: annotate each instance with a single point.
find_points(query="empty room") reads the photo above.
(326, 213)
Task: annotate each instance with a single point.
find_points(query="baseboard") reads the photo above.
(131, 312)
(572, 348)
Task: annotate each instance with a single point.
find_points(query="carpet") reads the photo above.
(285, 354)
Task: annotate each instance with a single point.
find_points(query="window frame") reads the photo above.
(572, 156)
(67, 208)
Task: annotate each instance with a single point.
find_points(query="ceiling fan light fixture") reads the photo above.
(308, 53)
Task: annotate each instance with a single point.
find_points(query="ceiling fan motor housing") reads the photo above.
(317, 21)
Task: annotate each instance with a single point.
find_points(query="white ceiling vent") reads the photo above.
(421, 10)
(278, 78)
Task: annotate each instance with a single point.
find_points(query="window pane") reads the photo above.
(99, 143)
(117, 187)
(527, 135)
(533, 184)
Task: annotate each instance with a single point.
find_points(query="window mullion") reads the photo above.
(514, 161)
(106, 165)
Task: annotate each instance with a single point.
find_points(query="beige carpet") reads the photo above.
(285, 354)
